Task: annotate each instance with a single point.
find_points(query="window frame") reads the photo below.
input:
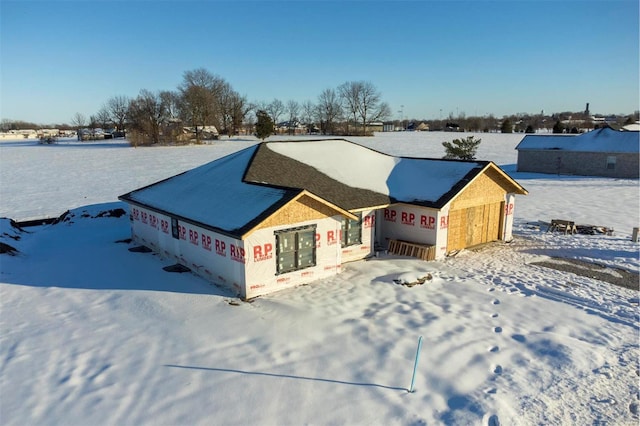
(297, 250)
(346, 226)
(611, 162)
(175, 228)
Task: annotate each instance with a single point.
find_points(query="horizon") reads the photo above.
(41, 125)
(422, 56)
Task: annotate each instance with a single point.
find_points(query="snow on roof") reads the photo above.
(600, 140)
(402, 179)
(214, 194)
(234, 193)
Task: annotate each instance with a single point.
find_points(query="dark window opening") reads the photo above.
(296, 249)
(175, 230)
(352, 231)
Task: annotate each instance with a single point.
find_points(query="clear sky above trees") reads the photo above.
(429, 59)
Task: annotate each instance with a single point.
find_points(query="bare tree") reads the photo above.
(328, 110)
(363, 102)
(293, 110)
(350, 93)
(234, 109)
(240, 108)
(171, 100)
(370, 106)
(383, 112)
(201, 91)
(250, 118)
(275, 109)
(172, 127)
(147, 114)
(93, 122)
(78, 121)
(118, 107)
(103, 118)
(308, 114)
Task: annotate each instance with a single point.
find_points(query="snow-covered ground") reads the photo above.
(91, 333)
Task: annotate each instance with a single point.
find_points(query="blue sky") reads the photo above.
(427, 58)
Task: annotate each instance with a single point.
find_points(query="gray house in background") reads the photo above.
(602, 152)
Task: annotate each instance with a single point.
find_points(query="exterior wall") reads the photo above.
(261, 268)
(414, 224)
(578, 163)
(367, 246)
(483, 212)
(213, 256)
(248, 266)
(475, 225)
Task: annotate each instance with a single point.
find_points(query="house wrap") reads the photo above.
(281, 214)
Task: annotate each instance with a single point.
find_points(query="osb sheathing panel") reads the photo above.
(303, 209)
(483, 190)
(474, 225)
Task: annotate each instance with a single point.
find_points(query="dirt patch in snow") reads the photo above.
(7, 249)
(177, 268)
(615, 276)
(140, 249)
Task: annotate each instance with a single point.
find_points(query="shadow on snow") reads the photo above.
(285, 376)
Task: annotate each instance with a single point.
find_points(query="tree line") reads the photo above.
(203, 100)
(564, 122)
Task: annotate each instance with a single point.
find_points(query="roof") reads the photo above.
(214, 195)
(273, 168)
(600, 140)
(356, 177)
(235, 193)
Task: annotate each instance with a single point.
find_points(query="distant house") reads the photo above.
(19, 134)
(601, 152)
(280, 214)
(375, 126)
(291, 127)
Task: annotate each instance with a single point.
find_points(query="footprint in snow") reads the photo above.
(495, 302)
(497, 329)
(494, 349)
(494, 315)
(497, 369)
(519, 338)
(491, 420)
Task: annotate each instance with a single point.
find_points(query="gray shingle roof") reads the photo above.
(387, 179)
(271, 168)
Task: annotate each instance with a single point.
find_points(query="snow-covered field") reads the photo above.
(92, 334)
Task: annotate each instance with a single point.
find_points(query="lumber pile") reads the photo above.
(405, 248)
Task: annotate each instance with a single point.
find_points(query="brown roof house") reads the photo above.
(601, 152)
(281, 214)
